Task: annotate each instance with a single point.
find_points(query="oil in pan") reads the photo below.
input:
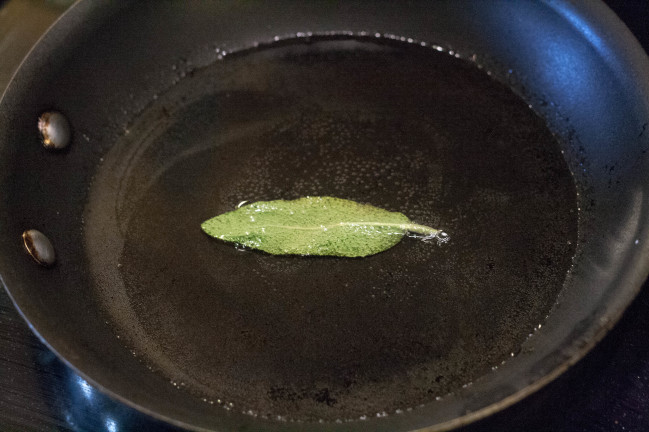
(396, 125)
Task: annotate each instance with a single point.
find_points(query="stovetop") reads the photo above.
(608, 390)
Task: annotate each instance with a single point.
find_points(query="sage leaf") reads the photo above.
(315, 226)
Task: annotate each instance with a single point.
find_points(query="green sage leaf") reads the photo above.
(315, 226)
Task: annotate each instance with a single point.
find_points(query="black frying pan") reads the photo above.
(177, 114)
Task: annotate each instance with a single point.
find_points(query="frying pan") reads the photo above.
(128, 306)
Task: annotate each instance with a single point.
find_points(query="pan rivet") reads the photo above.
(54, 129)
(39, 247)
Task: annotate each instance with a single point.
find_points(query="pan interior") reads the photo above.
(399, 126)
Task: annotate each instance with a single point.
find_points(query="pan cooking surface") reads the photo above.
(394, 125)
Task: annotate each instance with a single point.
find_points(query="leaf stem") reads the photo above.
(421, 229)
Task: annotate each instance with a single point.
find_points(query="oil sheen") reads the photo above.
(401, 127)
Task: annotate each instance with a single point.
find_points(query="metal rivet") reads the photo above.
(39, 247)
(55, 130)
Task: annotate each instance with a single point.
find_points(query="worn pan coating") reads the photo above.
(112, 70)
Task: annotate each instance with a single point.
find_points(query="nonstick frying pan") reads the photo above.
(191, 331)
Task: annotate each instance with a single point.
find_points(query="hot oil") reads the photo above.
(399, 127)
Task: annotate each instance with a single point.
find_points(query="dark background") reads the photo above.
(606, 391)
